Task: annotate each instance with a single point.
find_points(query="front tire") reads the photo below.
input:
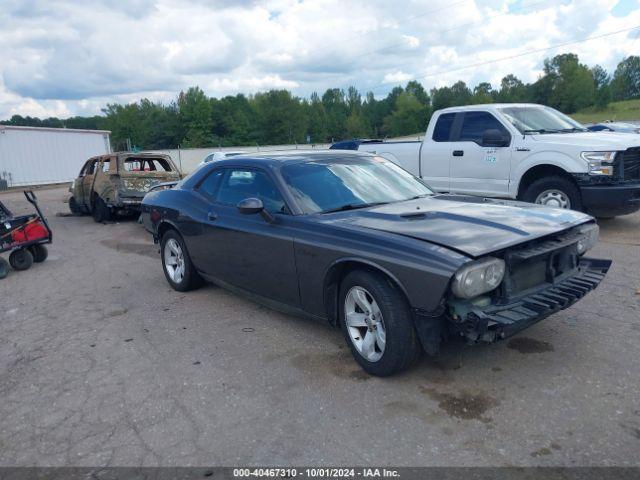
(555, 191)
(21, 259)
(176, 263)
(377, 324)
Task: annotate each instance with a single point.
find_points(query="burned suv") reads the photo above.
(116, 183)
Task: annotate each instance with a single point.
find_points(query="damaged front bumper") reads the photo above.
(487, 322)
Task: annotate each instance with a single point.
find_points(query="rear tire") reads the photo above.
(386, 315)
(74, 207)
(4, 268)
(554, 191)
(101, 212)
(21, 259)
(176, 263)
(39, 252)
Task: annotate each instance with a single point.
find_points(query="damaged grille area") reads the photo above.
(540, 279)
(629, 165)
(496, 321)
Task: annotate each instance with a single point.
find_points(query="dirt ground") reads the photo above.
(103, 364)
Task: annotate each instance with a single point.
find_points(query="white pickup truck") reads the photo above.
(521, 151)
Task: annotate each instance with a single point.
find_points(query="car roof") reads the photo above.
(278, 157)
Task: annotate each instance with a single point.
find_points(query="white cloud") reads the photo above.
(397, 77)
(62, 57)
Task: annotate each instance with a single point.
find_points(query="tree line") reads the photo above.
(278, 117)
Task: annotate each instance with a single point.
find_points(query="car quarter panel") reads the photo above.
(422, 270)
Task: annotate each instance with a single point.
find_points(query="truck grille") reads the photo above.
(630, 164)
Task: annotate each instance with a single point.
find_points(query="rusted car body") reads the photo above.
(116, 183)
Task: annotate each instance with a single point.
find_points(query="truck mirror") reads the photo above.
(494, 138)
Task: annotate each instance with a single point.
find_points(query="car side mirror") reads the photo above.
(250, 206)
(494, 138)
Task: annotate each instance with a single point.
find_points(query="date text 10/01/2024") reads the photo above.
(316, 472)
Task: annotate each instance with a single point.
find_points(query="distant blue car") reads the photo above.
(621, 127)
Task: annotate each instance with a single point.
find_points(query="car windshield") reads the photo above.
(532, 120)
(350, 183)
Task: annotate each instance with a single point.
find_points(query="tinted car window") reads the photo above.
(475, 123)
(442, 130)
(238, 184)
(209, 186)
(324, 186)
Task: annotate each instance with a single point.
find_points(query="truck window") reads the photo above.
(105, 166)
(475, 123)
(442, 130)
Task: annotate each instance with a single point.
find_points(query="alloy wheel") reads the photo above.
(174, 260)
(365, 324)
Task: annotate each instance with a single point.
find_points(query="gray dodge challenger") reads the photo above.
(353, 239)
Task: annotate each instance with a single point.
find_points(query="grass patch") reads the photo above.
(618, 111)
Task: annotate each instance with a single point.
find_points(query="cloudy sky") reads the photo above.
(64, 57)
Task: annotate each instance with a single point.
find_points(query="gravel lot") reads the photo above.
(101, 363)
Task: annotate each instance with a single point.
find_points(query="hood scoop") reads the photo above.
(414, 216)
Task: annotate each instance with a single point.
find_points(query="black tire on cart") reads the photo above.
(21, 259)
(39, 252)
(4, 268)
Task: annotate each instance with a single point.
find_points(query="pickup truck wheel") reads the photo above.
(176, 263)
(101, 212)
(4, 268)
(21, 259)
(377, 324)
(555, 192)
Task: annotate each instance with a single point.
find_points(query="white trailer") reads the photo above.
(38, 156)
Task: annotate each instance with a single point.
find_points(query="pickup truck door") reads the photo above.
(478, 168)
(435, 154)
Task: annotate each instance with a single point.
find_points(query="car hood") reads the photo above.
(471, 225)
(596, 141)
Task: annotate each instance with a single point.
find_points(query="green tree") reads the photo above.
(512, 90)
(337, 110)
(126, 125)
(626, 79)
(317, 119)
(280, 117)
(406, 118)
(483, 93)
(601, 83)
(194, 109)
(455, 95)
(570, 85)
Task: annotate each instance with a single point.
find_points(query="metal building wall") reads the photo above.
(36, 156)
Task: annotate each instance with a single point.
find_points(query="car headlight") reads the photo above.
(476, 278)
(589, 238)
(600, 163)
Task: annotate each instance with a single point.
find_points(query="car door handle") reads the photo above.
(458, 153)
(212, 216)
